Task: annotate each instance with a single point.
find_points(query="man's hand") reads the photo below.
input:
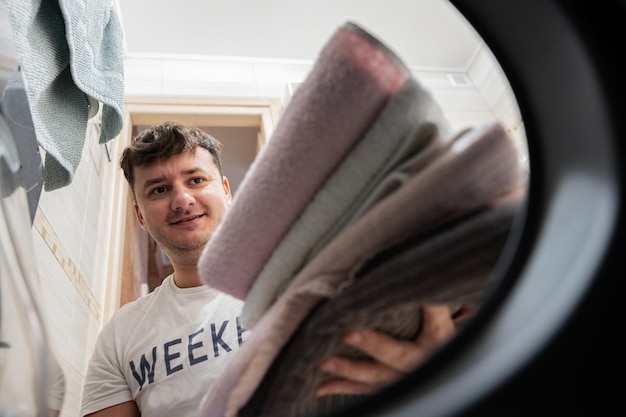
(390, 358)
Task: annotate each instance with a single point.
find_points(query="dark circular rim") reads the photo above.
(563, 256)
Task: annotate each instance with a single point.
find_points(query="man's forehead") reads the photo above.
(183, 163)
(200, 157)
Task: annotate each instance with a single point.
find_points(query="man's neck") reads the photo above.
(186, 276)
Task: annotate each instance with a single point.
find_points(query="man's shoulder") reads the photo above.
(135, 309)
(140, 303)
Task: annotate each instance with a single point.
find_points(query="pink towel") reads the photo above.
(351, 82)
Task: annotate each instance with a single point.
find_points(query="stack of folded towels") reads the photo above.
(362, 207)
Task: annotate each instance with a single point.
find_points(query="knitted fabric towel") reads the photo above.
(351, 82)
(476, 169)
(450, 265)
(69, 51)
(410, 127)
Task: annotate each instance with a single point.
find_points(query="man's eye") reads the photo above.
(197, 180)
(158, 190)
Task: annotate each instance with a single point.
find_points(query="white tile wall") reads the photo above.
(73, 387)
(68, 237)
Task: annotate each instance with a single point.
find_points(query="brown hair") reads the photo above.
(163, 141)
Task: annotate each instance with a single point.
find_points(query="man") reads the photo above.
(159, 354)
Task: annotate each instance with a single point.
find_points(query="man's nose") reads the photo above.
(181, 198)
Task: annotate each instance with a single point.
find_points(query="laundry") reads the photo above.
(70, 58)
(17, 121)
(451, 265)
(477, 170)
(406, 136)
(407, 213)
(9, 158)
(347, 88)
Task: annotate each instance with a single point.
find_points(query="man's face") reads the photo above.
(180, 202)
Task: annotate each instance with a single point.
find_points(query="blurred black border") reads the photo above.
(577, 370)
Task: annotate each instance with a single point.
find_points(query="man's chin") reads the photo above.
(186, 248)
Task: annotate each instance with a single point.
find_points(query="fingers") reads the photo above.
(345, 387)
(404, 355)
(463, 315)
(437, 327)
(399, 355)
(390, 358)
(355, 376)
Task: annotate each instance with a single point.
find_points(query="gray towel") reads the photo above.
(20, 124)
(15, 101)
(449, 265)
(69, 51)
(9, 160)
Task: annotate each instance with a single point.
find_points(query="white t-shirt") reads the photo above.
(163, 350)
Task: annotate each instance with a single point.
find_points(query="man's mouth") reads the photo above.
(186, 219)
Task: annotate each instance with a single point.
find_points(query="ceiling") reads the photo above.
(427, 34)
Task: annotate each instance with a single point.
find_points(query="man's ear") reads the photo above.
(226, 186)
(139, 215)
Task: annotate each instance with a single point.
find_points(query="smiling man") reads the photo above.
(159, 354)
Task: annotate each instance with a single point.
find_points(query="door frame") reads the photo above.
(124, 268)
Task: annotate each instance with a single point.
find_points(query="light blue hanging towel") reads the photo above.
(70, 53)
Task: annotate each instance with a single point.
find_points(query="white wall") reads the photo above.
(486, 95)
(71, 232)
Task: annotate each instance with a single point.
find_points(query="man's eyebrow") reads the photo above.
(150, 182)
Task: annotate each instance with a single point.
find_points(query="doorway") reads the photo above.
(243, 125)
